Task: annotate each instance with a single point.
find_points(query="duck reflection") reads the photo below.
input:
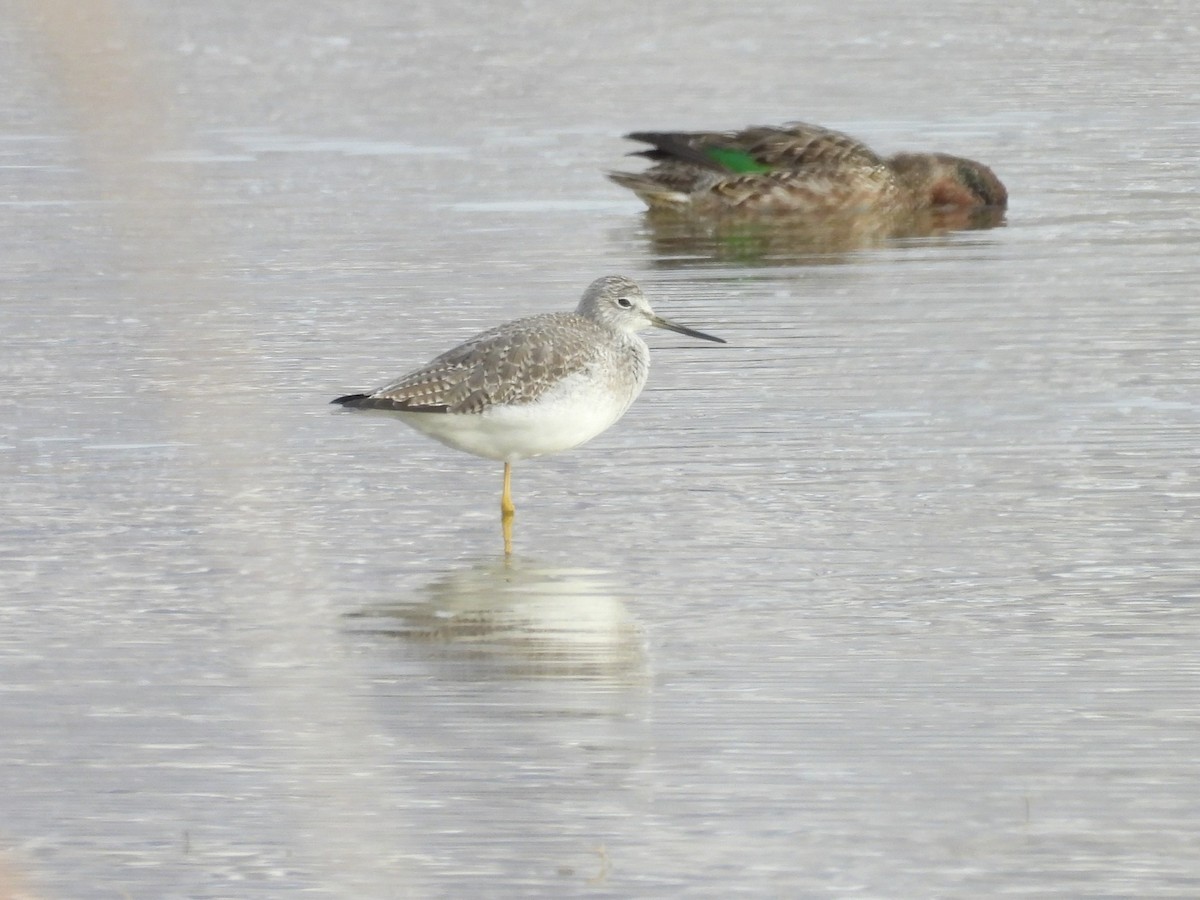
(679, 240)
(522, 618)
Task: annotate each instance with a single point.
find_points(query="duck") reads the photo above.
(801, 169)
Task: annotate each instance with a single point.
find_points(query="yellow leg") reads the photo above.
(507, 510)
(506, 504)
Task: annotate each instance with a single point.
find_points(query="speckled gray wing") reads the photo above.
(511, 364)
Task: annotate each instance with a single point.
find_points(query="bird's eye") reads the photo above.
(624, 303)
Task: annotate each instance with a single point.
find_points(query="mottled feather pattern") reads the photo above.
(798, 145)
(790, 146)
(509, 365)
(535, 385)
(867, 189)
(809, 170)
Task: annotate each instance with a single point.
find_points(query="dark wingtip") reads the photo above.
(675, 145)
(644, 137)
(387, 404)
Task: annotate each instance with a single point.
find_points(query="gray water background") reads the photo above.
(893, 596)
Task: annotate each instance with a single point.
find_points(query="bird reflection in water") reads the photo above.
(520, 619)
(680, 239)
(797, 192)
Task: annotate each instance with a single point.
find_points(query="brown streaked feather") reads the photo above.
(792, 146)
(799, 145)
(820, 192)
(812, 171)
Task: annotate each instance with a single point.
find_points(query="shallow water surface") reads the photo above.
(895, 594)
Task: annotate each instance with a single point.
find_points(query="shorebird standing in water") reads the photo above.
(532, 386)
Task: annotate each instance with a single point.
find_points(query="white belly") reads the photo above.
(571, 414)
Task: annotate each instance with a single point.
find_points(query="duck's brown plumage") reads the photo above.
(804, 169)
